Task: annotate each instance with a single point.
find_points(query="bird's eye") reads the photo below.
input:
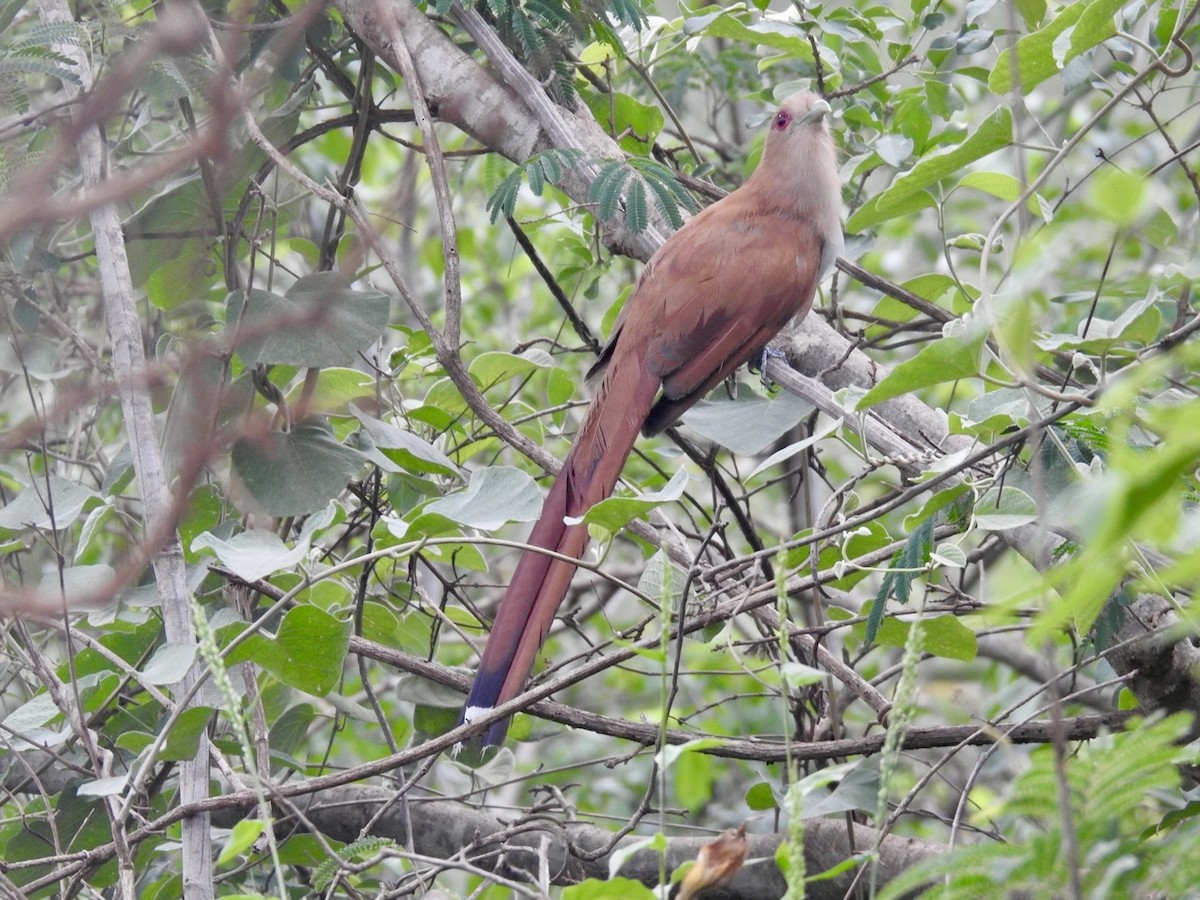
(783, 118)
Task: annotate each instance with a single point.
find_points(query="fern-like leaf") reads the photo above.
(32, 65)
(13, 97)
(527, 34)
(361, 849)
(602, 33)
(669, 195)
(628, 12)
(551, 166)
(504, 199)
(548, 166)
(1112, 782)
(664, 202)
(536, 176)
(166, 67)
(548, 13)
(656, 172)
(607, 188)
(563, 83)
(555, 162)
(636, 214)
(47, 34)
(902, 572)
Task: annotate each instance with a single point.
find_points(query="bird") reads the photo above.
(710, 299)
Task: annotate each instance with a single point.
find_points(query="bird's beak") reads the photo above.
(816, 112)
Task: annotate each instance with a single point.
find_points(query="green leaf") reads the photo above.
(607, 188)
(334, 390)
(290, 729)
(863, 540)
(858, 790)
(635, 124)
(1095, 26)
(181, 209)
(907, 565)
(615, 512)
(869, 214)
(356, 851)
(672, 753)
(536, 177)
(949, 556)
(393, 448)
(306, 850)
(504, 199)
(183, 277)
(134, 742)
(169, 663)
(546, 166)
(693, 776)
(948, 359)
(1004, 508)
(531, 42)
(998, 184)
(637, 215)
(876, 625)
(54, 503)
(1119, 197)
(748, 424)
(760, 797)
(798, 675)
(103, 787)
(827, 428)
(307, 653)
(297, 472)
(846, 865)
(494, 497)
(252, 554)
(497, 367)
(32, 714)
(894, 149)
(1032, 11)
(183, 740)
(915, 553)
(669, 195)
(947, 499)
(945, 636)
(1035, 53)
(777, 35)
(241, 839)
(949, 638)
(78, 585)
(661, 580)
(993, 134)
(319, 322)
(609, 889)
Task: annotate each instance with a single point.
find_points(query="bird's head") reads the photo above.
(800, 119)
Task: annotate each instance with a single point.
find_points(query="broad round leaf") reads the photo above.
(494, 496)
(297, 472)
(319, 322)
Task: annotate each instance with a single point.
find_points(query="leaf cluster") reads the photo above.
(618, 185)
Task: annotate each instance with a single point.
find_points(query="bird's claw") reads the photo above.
(759, 364)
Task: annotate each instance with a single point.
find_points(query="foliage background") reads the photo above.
(298, 302)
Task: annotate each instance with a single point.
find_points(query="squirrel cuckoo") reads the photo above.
(711, 298)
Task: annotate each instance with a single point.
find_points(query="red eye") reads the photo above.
(783, 118)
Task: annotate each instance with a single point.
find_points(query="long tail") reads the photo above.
(540, 582)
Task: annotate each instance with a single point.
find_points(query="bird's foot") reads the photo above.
(759, 364)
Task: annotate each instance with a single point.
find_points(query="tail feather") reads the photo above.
(540, 582)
